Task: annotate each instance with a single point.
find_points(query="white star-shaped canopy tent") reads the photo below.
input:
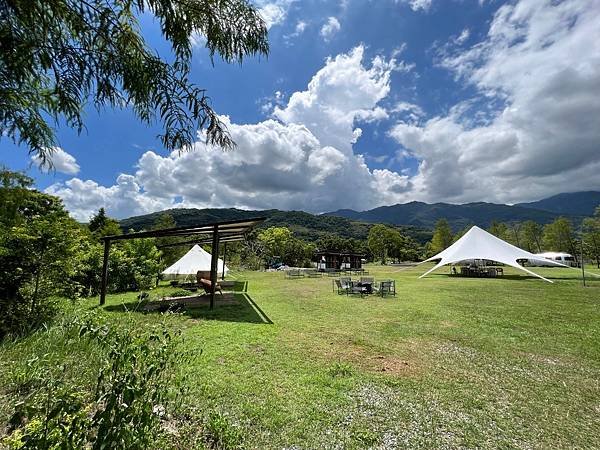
(479, 244)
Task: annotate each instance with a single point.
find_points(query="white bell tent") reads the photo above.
(197, 259)
(479, 244)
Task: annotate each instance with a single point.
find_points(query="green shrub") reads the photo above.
(180, 293)
(17, 318)
(38, 247)
(131, 395)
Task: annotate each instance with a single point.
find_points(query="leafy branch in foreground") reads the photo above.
(59, 55)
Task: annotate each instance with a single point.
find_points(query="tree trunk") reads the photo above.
(576, 254)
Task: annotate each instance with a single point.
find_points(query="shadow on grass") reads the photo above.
(239, 307)
(246, 310)
(548, 277)
(524, 276)
(235, 306)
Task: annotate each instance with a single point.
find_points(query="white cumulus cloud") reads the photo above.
(299, 29)
(58, 160)
(273, 12)
(420, 4)
(541, 63)
(463, 36)
(124, 198)
(300, 159)
(342, 91)
(417, 5)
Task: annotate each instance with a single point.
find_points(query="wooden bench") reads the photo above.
(207, 285)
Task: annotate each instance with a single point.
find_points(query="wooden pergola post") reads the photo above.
(214, 265)
(224, 255)
(104, 272)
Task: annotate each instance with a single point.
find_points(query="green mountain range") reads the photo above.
(573, 203)
(416, 219)
(304, 225)
(425, 215)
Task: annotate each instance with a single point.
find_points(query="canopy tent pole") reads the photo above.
(214, 265)
(224, 255)
(104, 272)
(582, 268)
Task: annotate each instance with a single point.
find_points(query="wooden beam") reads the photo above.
(104, 272)
(213, 265)
(224, 255)
(232, 226)
(222, 238)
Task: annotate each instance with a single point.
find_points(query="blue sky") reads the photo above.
(363, 103)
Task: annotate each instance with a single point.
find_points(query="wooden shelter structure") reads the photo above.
(339, 260)
(208, 233)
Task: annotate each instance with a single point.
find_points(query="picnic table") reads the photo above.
(364, 286)
(481, 271)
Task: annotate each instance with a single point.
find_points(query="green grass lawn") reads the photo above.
(449, 362)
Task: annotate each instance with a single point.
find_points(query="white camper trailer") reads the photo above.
(563, 258)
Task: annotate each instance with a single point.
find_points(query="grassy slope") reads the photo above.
(450, 362)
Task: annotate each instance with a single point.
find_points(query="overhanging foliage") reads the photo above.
(59, 55)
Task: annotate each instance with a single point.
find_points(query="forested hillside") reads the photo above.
(306, 226)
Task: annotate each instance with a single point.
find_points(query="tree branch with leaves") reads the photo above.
(58, 56)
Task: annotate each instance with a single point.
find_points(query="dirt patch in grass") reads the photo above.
(391, 365)
(404, 362)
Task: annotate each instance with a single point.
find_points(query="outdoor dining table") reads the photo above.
(368, 286)
(475, 271)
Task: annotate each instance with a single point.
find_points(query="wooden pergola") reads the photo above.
(209, 233)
